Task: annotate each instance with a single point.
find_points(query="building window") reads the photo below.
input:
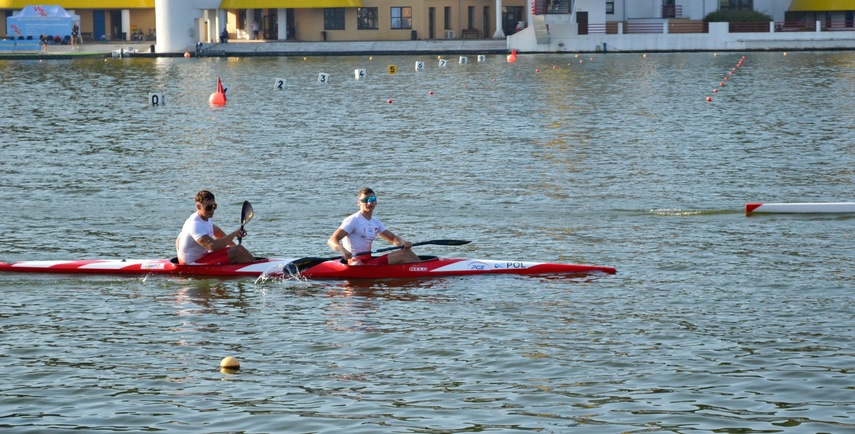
(366, 18)
(610, 7)
(333, 18)
(747, 5)
(447, 18)
(402, 18)
(470, 22)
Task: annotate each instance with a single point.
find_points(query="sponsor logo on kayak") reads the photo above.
(418, 269)
(152, 265)
(509, 265)
(477, 266)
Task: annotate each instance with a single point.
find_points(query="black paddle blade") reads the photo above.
(246, 213)
(293, 268)
(445, 242)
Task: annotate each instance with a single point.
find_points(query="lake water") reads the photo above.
(715, 321)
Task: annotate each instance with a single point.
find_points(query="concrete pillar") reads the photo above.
(174, 22)
(250, 20)
(282, 20)
(500, 33)
(222, 22)
(126, 24)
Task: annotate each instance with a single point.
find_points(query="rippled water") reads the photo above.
(714, 322)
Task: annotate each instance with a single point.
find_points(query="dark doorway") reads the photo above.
(510, 17)
(487, 33)
(271, 25)
(582, 21)
(289, 20)
(116, 26)
(431, 23)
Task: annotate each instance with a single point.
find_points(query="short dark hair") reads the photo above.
(204, 195)
(366, 191)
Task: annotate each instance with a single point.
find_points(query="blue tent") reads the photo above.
(41, 20)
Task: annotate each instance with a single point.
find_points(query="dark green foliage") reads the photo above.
(737, 16)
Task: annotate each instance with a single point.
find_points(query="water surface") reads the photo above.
(715, 321)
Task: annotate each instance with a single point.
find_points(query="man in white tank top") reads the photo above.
(358, 230)
(203, 242)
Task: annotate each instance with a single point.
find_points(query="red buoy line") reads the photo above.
(219, 99)
(727, 76)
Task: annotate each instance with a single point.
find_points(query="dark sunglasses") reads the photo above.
(368, 199)
(211, 207)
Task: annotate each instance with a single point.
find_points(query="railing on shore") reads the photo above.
(697, 26)
(672, 11)
(545, 7)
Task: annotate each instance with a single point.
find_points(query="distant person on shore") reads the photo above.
(224, 36)
(75, 34)
(43, 41)
(255, 30)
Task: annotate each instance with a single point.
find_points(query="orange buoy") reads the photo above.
(218, 98)
(709, 99)
(513, 56)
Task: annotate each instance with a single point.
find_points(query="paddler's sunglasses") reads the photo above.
(210, 207)
(368, 199)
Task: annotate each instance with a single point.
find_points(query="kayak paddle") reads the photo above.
(294, 267)
(246, 215)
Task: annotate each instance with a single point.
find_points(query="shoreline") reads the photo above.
(315, 49)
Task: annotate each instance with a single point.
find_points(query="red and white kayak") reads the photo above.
(333, 269)
(783, 208)
(435, 267)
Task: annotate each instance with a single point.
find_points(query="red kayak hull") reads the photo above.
(141, 267)
(273, 267)
(446, 267)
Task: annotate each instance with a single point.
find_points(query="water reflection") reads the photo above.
(196, 301)
(355, 305)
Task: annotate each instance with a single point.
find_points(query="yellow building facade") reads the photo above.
(305, 20)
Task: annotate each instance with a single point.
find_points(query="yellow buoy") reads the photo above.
(230, 363)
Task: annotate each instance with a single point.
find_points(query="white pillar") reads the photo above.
(250, 20)
(126, 24)
(528, 12)
(212, 18)
(205, 26)
(174, 21)
(222, 21)
(282, 20)
(500, 33)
